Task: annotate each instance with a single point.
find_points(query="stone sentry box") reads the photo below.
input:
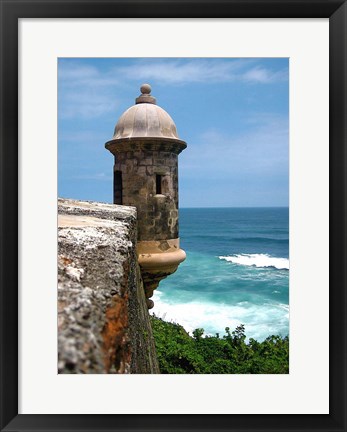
(146, 148)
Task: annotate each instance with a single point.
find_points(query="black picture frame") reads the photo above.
(11, 12)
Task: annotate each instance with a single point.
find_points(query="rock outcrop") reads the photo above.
(103, 321)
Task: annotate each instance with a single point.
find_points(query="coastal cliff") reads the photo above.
(103, 320)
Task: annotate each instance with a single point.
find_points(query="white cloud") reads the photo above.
(263, 149)
(85, 103)
(95, 176)
(84, 91)
(74, 75)
(262, 75)
(202, 70)
(181, 71)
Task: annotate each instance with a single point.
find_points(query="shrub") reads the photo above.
(180, 353)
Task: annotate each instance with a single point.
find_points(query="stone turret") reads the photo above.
(146, 148)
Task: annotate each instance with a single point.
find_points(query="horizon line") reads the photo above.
(224, 207)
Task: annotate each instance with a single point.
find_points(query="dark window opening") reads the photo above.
(117, 188)
(158, 183)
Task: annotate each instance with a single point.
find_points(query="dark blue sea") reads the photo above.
(236, 272)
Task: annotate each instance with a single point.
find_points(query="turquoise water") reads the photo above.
(236, 271)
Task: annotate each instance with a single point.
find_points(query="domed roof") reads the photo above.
(145, 119)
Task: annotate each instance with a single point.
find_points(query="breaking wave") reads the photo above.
(260, 320)
(258, 260)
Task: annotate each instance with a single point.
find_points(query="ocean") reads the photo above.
(236, 272)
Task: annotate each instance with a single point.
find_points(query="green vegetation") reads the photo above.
(180, 353)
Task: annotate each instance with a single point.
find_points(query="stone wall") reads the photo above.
(103, 321)
(157, 211)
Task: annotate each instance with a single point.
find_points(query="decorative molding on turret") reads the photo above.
(146, 143)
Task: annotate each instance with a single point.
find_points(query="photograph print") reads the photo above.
(173, 216)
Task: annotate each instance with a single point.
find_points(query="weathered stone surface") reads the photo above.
(103, 322)
(139, 172)
(97, 209)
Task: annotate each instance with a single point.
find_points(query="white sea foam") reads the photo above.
(260, 320)
(258, 260)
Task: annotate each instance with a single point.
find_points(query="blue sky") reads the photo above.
(233, 114)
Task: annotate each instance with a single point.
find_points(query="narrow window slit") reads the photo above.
(158, 183)
(118, 188)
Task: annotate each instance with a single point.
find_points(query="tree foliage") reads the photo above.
(180, 353)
